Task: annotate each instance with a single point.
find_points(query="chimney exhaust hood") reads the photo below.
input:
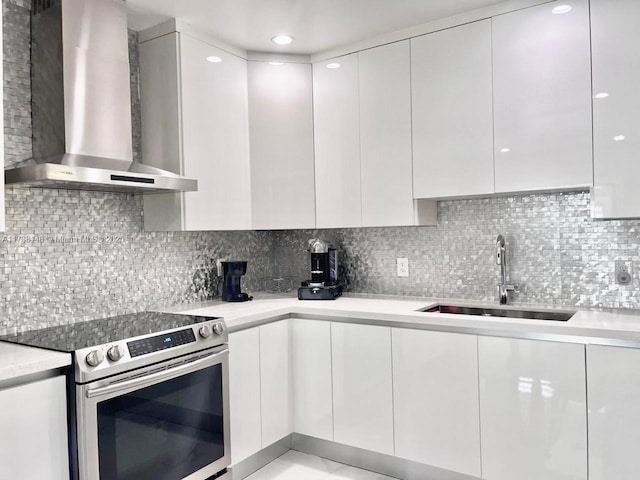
(81, 103)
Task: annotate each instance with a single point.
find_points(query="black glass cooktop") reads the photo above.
(68, 338)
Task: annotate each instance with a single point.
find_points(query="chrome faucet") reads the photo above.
(501, 259)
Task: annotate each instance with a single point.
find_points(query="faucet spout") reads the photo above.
(501, 259)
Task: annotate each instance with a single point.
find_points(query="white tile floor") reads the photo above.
(300, 466)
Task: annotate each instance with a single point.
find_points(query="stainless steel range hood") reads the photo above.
(81, 103)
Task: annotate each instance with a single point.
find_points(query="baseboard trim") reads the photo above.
(258, 460)
(372, 461)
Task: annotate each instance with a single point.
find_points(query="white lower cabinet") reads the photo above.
(435, 392)
(362, 386)
(532, 410)
(311, 378)
(613, 381)
(275, 381)
(244, 393)
(33, 432)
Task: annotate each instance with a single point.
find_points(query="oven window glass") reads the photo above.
(163, 432)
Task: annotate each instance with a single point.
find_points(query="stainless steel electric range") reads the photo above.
(149, 396)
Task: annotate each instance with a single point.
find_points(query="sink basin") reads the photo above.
(556, 316)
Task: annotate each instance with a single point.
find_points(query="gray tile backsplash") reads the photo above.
(70, 256)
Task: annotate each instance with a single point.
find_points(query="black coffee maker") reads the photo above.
(231, 273)
(324, 283)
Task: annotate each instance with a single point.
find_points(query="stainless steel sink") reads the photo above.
(556, 316)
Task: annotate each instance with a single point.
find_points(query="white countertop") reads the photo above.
(611, 327)
(18, 360)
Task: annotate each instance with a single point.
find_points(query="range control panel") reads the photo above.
(161, 342)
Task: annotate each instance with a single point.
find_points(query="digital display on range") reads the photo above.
(161, 342)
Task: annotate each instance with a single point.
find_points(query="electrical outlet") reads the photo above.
(624, 273)
(403, 267)
(219, 265)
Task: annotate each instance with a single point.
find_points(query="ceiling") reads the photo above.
(316, 25)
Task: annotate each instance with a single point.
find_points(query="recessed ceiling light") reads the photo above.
(214, 59)
(333, 65)
(601, 95)
(282, 39)
(505, 150)
(276, 63)
(619, 138)
(560, 9)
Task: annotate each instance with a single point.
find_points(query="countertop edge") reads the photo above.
(20, 361)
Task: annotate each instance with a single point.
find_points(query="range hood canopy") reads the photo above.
(81, 103)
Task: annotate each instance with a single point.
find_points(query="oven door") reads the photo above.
(168, 421)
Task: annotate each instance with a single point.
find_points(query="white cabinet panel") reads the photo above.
(385, 135)
(532, 410)
(311, 378)
(435, 394)
(336, 114)
(244, 393)
(542, 98)
(362, 386)
(281, 140)
(33, 442)
(195, 123)
(452, 101)
(275, 381)
(614, 415)
(615, 37)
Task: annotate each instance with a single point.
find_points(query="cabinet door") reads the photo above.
(362, 386)
(244, 393)
(532, 410)
(614, 416)
(542, 98)
(275, 382)
(385, 135)
(435, 399)
(215, 137)
(33, 443)
(336, 114)
(311, 378)
(195, 123)
(281, 135)
(615, 37)
(452, 112)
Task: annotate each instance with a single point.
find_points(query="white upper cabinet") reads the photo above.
(336, 113)
(615, 37)
(385, 135)
(451, 93)
(542, 98)
(195, 123)
(281, 133)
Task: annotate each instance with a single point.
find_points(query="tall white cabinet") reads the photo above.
(336, 107)
(281, 134)
(616, 108)
(542, 98)
(451, 92)
(532, 410)
(195, 123)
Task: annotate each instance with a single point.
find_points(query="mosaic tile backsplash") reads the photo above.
(69, 256)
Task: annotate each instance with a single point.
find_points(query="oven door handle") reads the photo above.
(157, 376)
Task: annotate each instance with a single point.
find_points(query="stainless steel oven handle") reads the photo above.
(154, 377)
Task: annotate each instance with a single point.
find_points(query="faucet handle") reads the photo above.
(512, 288)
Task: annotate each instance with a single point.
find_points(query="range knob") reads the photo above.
(115, 353)
(204, 331)
(218, 328)
(94, 358)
